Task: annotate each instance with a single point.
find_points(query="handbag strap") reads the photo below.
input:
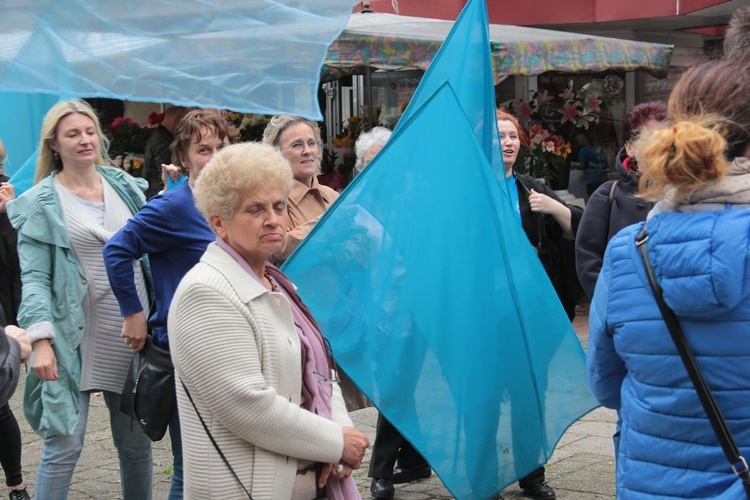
(213, 441)
(724, 435)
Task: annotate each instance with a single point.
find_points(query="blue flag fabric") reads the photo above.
(255, 56)
(19, 129)
(431, 296)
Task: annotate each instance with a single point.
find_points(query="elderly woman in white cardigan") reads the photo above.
(250, 355)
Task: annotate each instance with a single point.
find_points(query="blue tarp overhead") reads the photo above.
(432, 298)
(258, 56)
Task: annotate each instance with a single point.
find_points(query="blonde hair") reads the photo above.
(46, 161)
(681, 156)
(235, 170)
(709, 125)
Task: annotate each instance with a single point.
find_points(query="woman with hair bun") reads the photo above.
(696, 167)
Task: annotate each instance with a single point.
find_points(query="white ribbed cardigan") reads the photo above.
(235, 346)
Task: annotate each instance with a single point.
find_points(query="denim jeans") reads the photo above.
(61, 454)
(175, 490)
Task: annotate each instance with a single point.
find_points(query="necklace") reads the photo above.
(87, 192)
(267, 275)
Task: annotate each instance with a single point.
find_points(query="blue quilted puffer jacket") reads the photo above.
(667, 446)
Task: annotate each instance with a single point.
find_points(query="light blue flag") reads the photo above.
(22, 121)
(434, 301)
(256, 56)
(23, 178)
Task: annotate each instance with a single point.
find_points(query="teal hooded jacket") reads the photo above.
(53, 289)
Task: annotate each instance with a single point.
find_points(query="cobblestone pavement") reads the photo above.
(581, 468)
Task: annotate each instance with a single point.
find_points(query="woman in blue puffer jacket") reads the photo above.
(697, 168)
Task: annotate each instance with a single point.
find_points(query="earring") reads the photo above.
(55, 155)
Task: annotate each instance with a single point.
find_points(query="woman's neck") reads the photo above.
(83, 182)
(260, 271)
(307, 181)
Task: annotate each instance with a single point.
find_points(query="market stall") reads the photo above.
(388, 41)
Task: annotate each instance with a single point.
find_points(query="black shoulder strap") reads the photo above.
(213, 441)
(540, 217)
(724, 435)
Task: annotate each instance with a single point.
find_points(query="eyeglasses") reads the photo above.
(299, 146)
(321, 379)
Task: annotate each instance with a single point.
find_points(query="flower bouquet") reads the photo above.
(125, 136)
(251, 126)
(550, 124)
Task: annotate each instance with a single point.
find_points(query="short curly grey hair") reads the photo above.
(279, 123)
(235, 170)
(374, 137)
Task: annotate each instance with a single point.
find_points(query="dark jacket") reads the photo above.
(157, 152)
(10, 270)
(546, 236)
(603, 219)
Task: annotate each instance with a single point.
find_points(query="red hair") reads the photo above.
(504, 115)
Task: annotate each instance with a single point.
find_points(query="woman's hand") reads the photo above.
(340, 470)
(45, 361)
(172, 171)
(355, 445)
(543, 204)
(135, 330)
(7, 193)
(20, 335)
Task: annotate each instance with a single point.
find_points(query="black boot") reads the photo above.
(382, 489)
(539, 491)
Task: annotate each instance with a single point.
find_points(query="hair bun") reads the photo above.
(683, 155)
(698, 154)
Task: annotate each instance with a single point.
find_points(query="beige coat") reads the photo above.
(235, 346)
(306, 205)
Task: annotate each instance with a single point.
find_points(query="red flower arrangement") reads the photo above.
(126, 136)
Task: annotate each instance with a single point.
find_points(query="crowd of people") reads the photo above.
(93, 272)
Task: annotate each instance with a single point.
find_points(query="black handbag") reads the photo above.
(713, 412)
(9, 367)
(149, 393)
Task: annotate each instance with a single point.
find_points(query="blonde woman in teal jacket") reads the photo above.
(67, 306)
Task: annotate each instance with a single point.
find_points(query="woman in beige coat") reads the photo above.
(250, 354)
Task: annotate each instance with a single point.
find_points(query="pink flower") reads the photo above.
(567, 94)
(155, 118)
(593, 103)
(525, 111)
(543, 97)
(583, 121)
(116, 122)
(569, 113)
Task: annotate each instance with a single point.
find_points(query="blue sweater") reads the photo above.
(174, 234)
(667, 446)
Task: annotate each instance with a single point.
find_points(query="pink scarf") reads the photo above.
(317, 376)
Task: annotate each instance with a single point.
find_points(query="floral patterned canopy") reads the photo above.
(388, 41)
